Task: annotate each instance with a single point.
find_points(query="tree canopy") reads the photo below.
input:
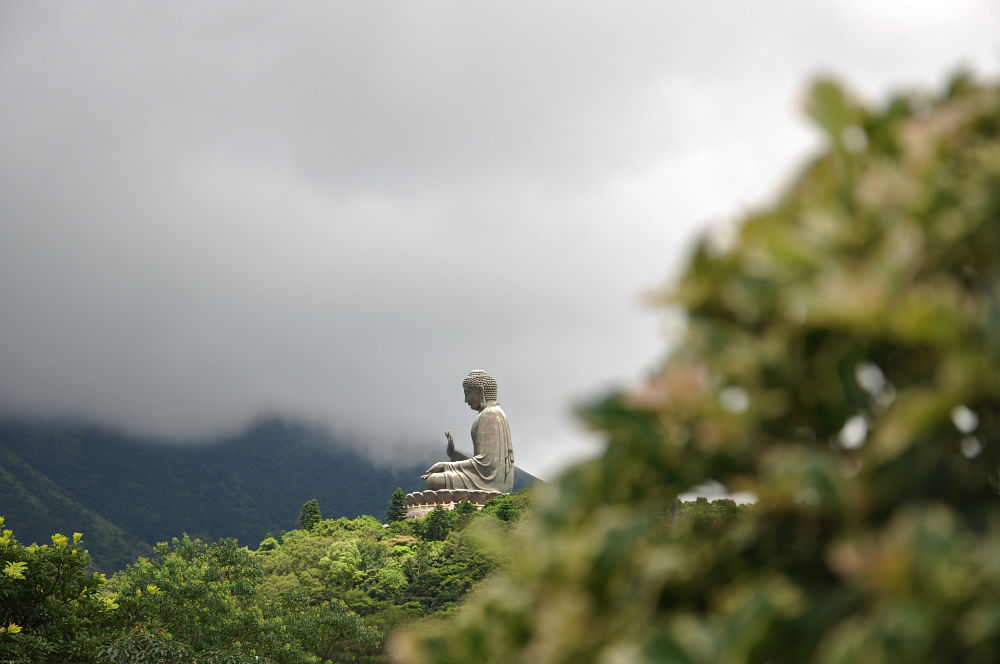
(50, 603)
(326, 594)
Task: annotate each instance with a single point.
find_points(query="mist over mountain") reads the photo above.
(216, 209)
(126, 493)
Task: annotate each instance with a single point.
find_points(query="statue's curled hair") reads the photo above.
(479, 378)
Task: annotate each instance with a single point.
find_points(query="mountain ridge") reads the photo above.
(125, 493)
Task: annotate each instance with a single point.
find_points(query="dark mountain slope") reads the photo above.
(125, 494)
(28, 498)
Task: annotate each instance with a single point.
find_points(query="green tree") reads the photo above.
(327, 630)
(502, 507)
(436, 524)
(465, 508)
(200, 602)
(838, 362)
(293, 563)
(269, 543)
(309, 515)
(343, 564)
(397, 506)
(199, 595)
(141, 646)
(51, 608)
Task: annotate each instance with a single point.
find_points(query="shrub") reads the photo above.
(50, 603)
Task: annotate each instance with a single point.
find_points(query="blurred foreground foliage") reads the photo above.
(840, 361)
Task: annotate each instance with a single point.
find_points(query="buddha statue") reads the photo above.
(491, 466)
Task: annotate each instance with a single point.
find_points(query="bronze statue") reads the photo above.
(491, 466)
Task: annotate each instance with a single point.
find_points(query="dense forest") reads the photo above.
(326, 592)
(329, 591)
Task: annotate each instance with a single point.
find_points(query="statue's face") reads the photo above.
(474, 397)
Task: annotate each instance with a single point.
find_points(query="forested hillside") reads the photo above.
(328, 592)
(127, 494)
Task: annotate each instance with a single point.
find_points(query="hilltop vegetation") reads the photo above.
(329, 592)
(326, 593)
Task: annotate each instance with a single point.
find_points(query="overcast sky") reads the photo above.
(334, 210)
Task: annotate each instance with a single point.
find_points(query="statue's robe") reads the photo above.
(491, 466)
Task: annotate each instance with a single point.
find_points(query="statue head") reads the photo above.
(481, 383)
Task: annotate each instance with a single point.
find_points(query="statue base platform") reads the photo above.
(421, 503)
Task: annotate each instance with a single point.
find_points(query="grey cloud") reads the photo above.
(335, 210)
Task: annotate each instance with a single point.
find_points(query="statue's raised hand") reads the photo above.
(453, 454)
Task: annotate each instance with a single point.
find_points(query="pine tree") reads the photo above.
(436, 527)
(309, 515)
(397, 506)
